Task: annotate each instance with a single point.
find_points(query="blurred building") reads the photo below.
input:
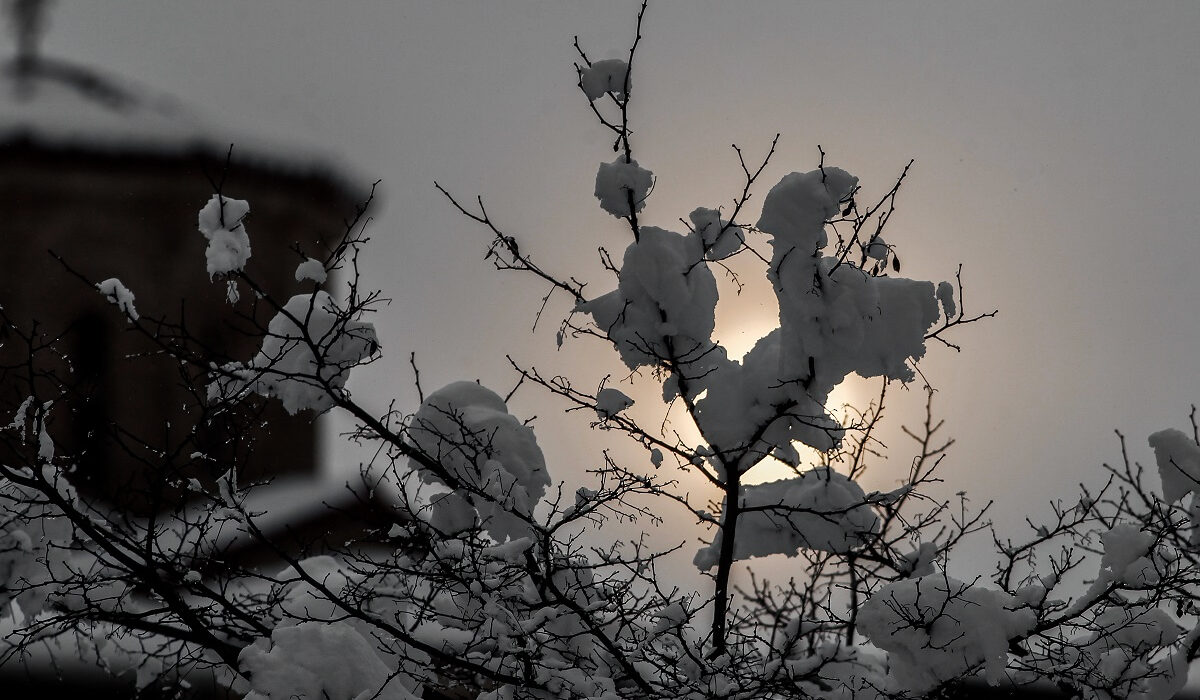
(111, 178)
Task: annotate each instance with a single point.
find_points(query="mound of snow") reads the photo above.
(306, 357)
(820, 509)
(488, 458)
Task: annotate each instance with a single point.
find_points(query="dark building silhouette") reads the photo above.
(111, 179)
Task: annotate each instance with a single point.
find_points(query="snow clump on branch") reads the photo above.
(663, 309)
(228, 244)
(1125, 653)
(834, 319)
(1126, 560)
(311, 270)
(618, 181)
(321, 660)
(820, 509)
(306, 357)
(1178, 458)
(35, 536)
(721, 238)
(609, 75)
(945, 295)
(117, 293)
(936, 628)
(470, 443)
(610, 402)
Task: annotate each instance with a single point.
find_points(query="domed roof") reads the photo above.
(65, 107)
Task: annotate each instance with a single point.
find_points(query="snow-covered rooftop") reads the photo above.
(68, 107)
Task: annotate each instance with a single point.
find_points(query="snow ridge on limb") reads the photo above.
(818, 510)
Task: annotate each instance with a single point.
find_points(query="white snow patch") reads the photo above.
(228, 244)
(117, 293)
(610, 402)
(1178, 458)
(322, 661)
(721, 238)
(608, 75)
(945, 295)
(1126, 560)
(877, 249)
(311, 270)
(287, 368)
(616, 181)
(820, 509)
(936, 628)
(666, 298)
(492, 460)
(1125, 652)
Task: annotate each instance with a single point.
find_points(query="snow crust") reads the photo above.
(488, 459)
(228, 243)
(118, 294)
(615, 182)
(608, 75)
(306, 357)
(820, 509)
(936, 628)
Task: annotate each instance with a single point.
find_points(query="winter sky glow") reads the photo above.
(1055, 148)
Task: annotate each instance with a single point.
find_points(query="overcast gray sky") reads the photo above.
(1056, 159)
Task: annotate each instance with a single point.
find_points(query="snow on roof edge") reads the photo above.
(63, 107)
